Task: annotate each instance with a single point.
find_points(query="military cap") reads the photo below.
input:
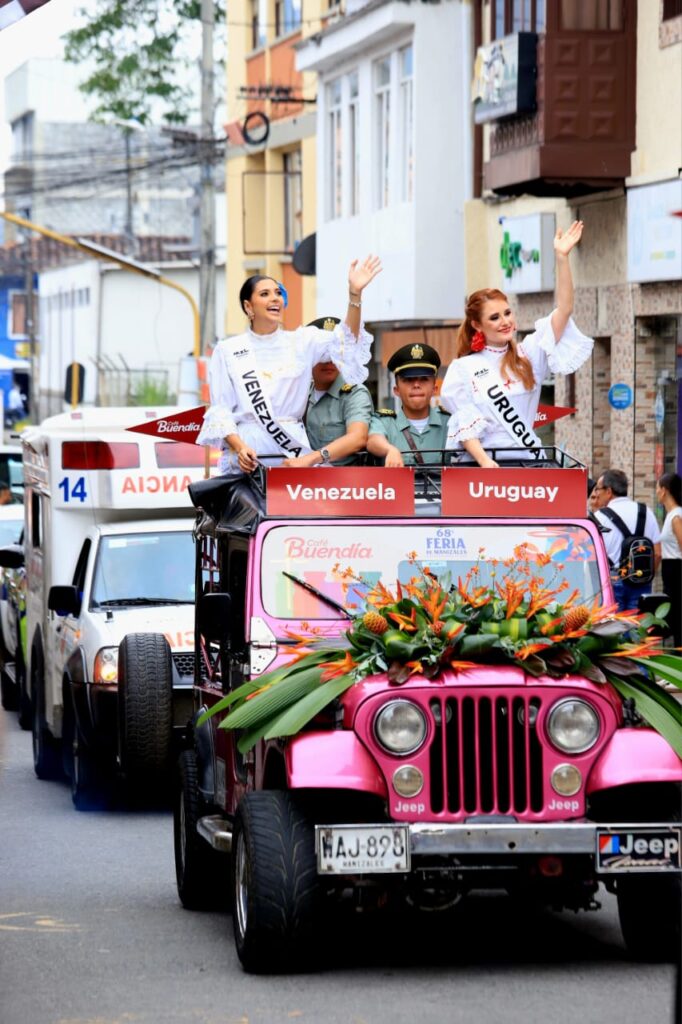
(325, 323)
(414, 360)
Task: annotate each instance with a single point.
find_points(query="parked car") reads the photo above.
(12, 611)
(409, 789)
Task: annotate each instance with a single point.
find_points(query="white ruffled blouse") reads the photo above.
(284, 363)
(471, 416)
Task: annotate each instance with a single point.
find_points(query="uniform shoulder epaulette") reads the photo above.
(386, 412)
(345, 388)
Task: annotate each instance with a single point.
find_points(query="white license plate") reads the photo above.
(362, 849)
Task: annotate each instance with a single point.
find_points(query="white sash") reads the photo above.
(254, 397)
(489, 382)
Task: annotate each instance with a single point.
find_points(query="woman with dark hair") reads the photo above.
(492, 387)
(669, 494)
(259, 380)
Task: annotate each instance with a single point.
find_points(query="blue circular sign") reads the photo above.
(620, 396)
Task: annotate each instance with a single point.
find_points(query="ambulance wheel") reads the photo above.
(9, 691)
(276, 892)
(25, 708)
(47, 762)
(649, 912)
(199, 868)
(145, 708)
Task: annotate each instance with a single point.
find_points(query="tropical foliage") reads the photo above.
(502, 612)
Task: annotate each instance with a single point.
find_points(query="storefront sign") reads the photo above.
(527, 253)
(620, 396)
(504, 77)
(655, 232)
(340, 491)
(542, 494)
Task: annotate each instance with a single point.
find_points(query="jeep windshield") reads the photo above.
(144, 569)
(344, 561)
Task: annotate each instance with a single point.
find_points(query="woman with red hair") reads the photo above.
(492, 387)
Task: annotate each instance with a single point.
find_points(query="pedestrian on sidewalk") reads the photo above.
(669, 494)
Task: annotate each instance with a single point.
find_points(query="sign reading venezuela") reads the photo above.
(541, 493)
(341, 491)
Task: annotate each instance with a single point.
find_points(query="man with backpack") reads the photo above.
(633, 540)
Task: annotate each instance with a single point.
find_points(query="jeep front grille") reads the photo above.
(485, 757)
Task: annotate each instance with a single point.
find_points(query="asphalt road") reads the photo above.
(91, 932)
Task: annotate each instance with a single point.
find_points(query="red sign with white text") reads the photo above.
(549, 413)
(536, 492)
(340, 491)
(179, 426)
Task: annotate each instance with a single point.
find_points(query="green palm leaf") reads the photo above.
(304, 710)
(654, 710)
(665, 666)
(278, 697)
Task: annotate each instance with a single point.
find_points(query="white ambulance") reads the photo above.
(110, 597)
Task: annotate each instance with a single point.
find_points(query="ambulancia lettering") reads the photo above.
(155, 484)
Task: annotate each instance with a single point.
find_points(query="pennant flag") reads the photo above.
(180, 426)
(548, 413)
(14, 10)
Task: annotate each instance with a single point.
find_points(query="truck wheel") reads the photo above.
(649, 912)
(47, 762)
(275, 884)
(9, 691)
(25, 707)
(145, 705)
(90, 784)
(199, 869)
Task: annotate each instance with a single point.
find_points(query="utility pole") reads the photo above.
(206, 184)
(30, 323)
(130, 237)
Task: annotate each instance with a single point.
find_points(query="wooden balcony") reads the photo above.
(582, 134)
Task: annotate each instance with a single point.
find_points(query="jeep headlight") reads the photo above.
(400, 727)
(106, 665)
(573, 726)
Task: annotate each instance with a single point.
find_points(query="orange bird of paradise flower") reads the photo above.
(337, 668)
(408, 623)
(525, 652)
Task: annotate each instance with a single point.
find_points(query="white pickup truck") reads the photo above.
(110, 598)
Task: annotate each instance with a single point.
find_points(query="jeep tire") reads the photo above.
(649, 912)
(276, 891)
(199, 869)
(145, 708)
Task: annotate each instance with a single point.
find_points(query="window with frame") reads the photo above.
(354, 141)
(406, 65)
(591, 15)
(382, 119)
(671, 9)
(287, 16)
(293, 199)
(258, 21)
(334, 150)
(510, 16)
(17, 315)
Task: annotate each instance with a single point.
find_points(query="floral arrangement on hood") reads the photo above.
(432, 626)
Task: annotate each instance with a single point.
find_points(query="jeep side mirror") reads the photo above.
(12, 556)
(213, 617)
(64, 600)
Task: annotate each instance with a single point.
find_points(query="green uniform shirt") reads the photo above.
(329, 417)
(391, 425)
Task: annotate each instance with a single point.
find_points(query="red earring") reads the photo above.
(478, 341)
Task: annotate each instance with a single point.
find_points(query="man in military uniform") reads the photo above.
(338, 414)
(406, 437)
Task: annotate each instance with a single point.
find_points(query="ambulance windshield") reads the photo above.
(344, 562)
(147, 568)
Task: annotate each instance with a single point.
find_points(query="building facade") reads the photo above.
(589, 127)
(394, 166)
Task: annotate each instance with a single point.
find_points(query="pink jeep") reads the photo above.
(485, 777)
